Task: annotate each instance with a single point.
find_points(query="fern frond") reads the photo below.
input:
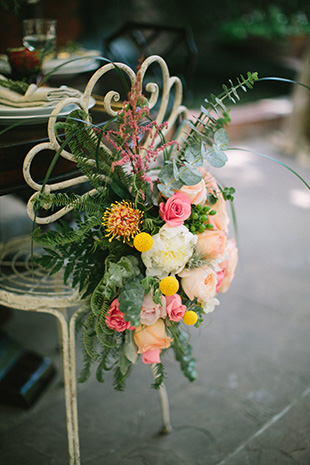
(183, 352)
(88, 339)
(159, 375)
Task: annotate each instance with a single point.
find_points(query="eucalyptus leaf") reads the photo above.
(193, 155)
(190, 175)
(130, 348)
(175, 170)
(165, 190)
(123, 362)
(216, 157)
(221, 138)
(166, 175)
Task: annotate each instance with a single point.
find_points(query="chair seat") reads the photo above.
(25, 285)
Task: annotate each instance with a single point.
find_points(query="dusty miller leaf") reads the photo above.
(130, 301)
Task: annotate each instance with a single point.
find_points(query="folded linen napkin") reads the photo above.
(36, 96)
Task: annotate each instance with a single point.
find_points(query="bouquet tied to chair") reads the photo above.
(149, 247)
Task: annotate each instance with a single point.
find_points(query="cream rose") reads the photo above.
(172, 248)
(212, 243)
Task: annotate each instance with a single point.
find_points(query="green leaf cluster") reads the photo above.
(183, 352)
(207, 140)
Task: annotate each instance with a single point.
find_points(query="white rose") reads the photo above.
(172, 248)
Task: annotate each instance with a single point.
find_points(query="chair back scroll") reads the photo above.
(167, 97)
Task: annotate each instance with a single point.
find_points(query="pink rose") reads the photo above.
(150, 312)
(212, 243)
(115, 318)
(199, 282)
(153, 337)
(197, 193)
(151, 356)
(220, 276)
(176, 210)
(228, 266)
(175, 309)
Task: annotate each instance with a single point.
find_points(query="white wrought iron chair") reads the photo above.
(27, 287)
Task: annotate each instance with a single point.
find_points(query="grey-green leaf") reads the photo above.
(166, 174)
(190, 175)
(130, 348)
(216, 157)
(193, 155)
(130, 301)
(221, 138)
(165, 190)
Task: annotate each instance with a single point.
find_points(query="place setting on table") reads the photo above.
(34, 77)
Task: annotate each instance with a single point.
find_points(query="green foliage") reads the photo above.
(17, 86)
(183, 352)
(269, 23)
(159, 375)
(228, 193)
(206, 140)
(117, 274)
(130, 300)
(151, 286)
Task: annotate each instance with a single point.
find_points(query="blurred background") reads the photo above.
(222, 39)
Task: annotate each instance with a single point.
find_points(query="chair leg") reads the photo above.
(69, 373)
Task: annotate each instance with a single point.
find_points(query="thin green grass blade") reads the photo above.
(291, 81)
(275, 160)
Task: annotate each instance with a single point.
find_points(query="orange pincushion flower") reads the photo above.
(122, 220)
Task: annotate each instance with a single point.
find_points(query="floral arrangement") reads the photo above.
(149, 246)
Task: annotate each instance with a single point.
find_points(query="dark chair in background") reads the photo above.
(175, 45)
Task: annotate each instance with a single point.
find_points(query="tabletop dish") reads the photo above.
(33, 115)
(72, 63)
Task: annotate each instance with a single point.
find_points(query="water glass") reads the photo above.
(40, 35)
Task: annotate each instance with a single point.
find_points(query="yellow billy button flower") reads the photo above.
(190, 318)
(143, 242)
(169, 285)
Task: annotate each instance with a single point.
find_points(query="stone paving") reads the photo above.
(250, 404)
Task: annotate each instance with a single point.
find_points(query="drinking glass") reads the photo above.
(40, 35)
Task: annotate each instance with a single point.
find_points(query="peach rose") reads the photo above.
(220, 220)
(228, 266)
(153, 337)
(209, 180)
(200, 283)
(198, 192)
(176, 210)
(175, 308)
(150, 312)
(115, 318)
(212, 243)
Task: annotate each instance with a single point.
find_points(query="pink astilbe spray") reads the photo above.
(125, 140)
